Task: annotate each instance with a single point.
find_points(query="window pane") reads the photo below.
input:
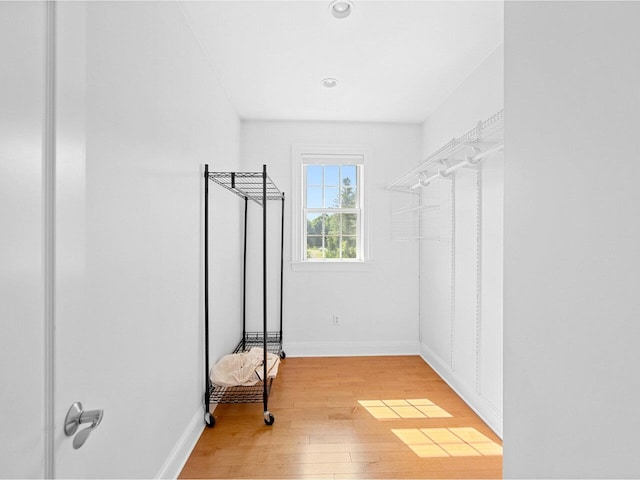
(314, 224)
(331, 175)
(314, 197)
(348, 196)
(349, 175)
(349, 223)
(325, 223)
(332, 244)
(349, 187)
(331, 197)
(332, 224)
(349, 249)
(314, 247)
(314, 175)
(314, 241)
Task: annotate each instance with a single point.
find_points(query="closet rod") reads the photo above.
(486, 135)
(445, 172)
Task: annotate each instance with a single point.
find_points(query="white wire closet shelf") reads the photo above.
(467, 150)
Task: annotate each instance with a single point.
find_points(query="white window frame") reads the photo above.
(327, 155)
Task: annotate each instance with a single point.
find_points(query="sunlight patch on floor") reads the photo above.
(404, 408)
(447, 442)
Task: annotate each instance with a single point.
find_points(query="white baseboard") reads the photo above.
(485, 410)
(183, 447)
(349, 349)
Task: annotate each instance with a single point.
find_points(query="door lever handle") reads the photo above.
(76, 416)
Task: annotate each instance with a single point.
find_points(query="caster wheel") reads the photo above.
(270, 420)
(283, 355)
(209, 420)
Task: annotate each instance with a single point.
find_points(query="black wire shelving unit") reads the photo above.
(259, 188)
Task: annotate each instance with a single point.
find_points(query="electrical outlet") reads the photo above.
(336, 320)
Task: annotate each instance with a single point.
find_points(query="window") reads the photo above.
(329, 212)
(332, 212)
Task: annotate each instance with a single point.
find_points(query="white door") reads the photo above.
(45, 342)
(128, 336)
(100, 270)
(78, 334)
(22, 333)
(48, 354)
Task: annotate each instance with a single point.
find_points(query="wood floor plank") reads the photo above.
(332, 468)
(323, 431)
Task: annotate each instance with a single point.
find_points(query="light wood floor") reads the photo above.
(322, 430)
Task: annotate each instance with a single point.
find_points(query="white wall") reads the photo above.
(138, 119)
(463, 346)
(572, 232)
(378, 303)
(21, 220)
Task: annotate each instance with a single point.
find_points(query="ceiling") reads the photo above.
(395, 61)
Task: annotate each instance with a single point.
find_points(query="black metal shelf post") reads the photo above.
(208, 418)
(268, 418)
(258, 187)
(244, 275)
(282, 354)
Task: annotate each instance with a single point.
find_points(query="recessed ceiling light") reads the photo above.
(341, 8)
(329, 82)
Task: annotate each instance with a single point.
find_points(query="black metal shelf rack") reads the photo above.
(259, 188)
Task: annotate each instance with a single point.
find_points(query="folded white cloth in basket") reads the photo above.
(243, 369)
(273, 361)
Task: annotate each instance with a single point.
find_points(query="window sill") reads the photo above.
(300, 266)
